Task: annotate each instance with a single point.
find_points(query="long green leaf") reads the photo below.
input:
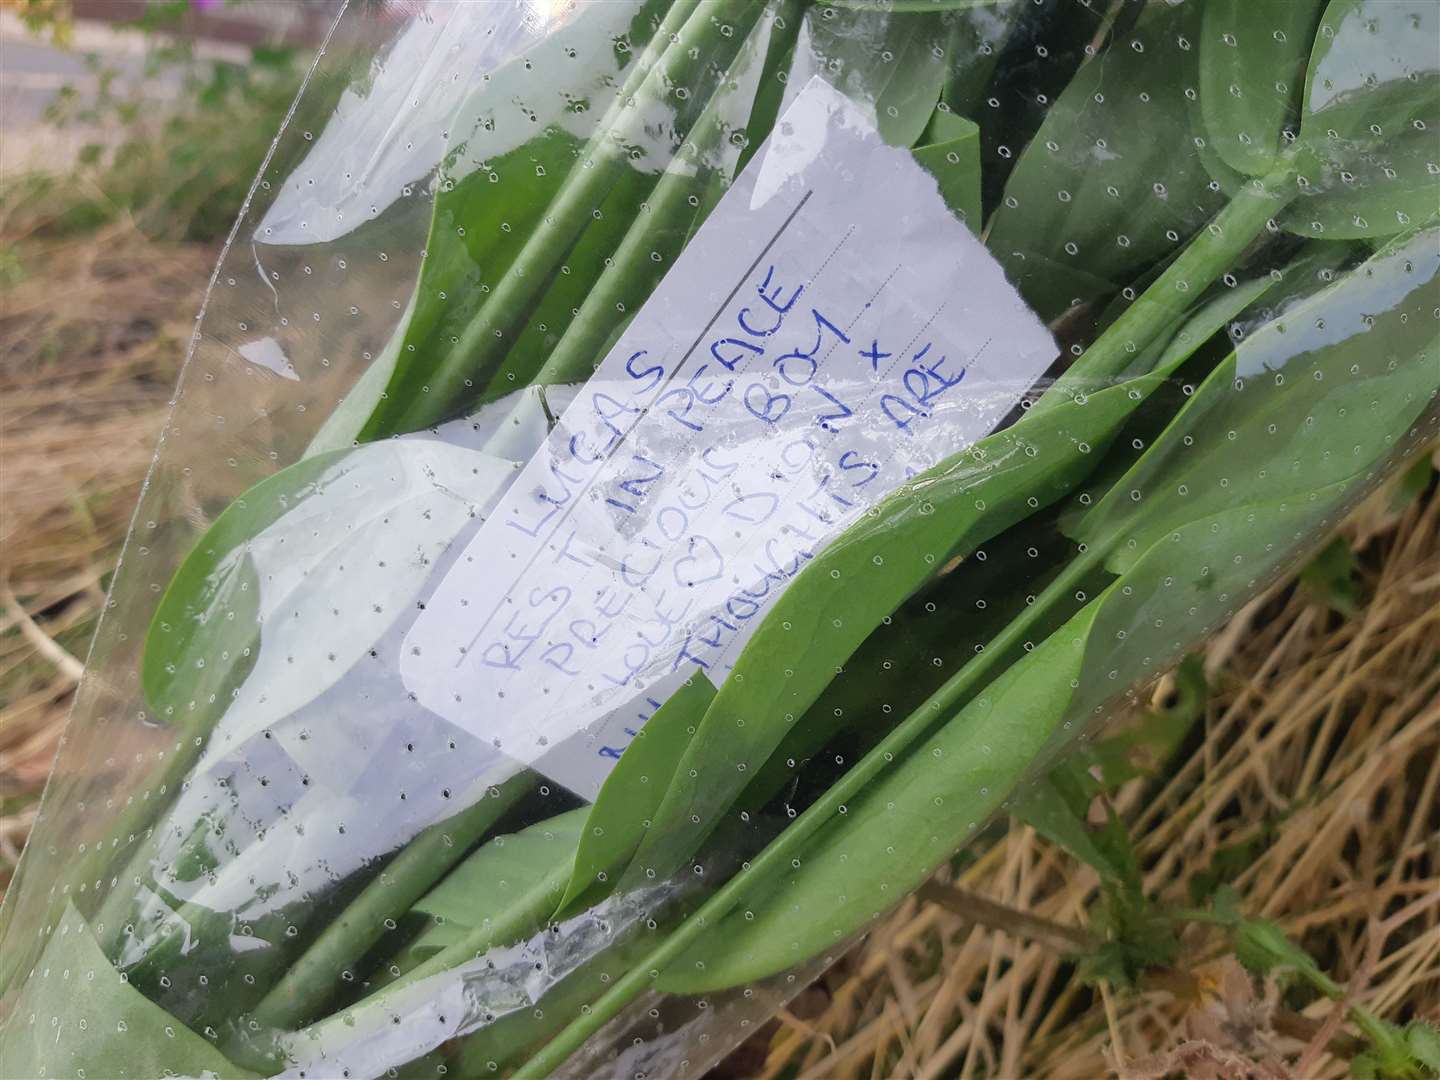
(524, 872)
(883, 844)
(819, 621)
(1096, 197)
(954, 160)
(1253, 56)
(1294, 405)
(323, 581)
(893, 61)
(1367, 160)
(632, 793)
(1050, 807)
(199, 645)
(978, 34)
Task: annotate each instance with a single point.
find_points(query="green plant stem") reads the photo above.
(313, 979)
(489, 333)
(788, 844)
(631, 272)
(518, 922)
(379, 420)
(1207, 256)
(1009, 920)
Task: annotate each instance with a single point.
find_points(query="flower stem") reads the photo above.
(517, 922)
(1207, 256)
(489, 334)
(650, 244)
(1022, 924)
(313, 979)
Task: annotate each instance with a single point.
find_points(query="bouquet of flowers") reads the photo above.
(655, 477)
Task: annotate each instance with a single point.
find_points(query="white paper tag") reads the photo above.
(830, 331)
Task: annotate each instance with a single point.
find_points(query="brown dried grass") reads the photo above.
(93, 334)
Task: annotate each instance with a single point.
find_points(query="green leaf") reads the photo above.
(1262, 947)
(978, 34)
(1394, 1053)
(198, 647)
(1051, 810)
(784, 25)
(1332, 578)
(894, 62)
(1424, 1041)
(1139, 751)
(891, 838)
(1305, 401)
(1198, 574)
(1253, 55)
(316, 561)
(1413, 482)
(1367, 161)
(75, 1016)
(632, 792)
(855, 582)
(1095, 193)
(954, 160)
(510, 885)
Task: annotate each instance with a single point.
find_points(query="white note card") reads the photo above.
(832, 330)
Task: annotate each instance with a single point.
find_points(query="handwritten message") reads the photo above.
(830, 332)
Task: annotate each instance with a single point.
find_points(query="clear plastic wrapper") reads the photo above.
(652, 480)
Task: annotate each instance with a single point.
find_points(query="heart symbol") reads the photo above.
(691, 569)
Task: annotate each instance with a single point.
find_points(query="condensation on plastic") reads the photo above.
(225, 792)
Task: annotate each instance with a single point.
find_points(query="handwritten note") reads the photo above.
(831, 331)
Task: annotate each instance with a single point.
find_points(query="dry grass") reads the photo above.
(1320, 751)
(1320, 763)
(94, 330)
